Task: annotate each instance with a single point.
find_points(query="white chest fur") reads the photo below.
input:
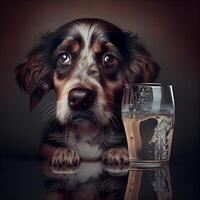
(87, 149)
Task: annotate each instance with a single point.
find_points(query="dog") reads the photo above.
(86, 62)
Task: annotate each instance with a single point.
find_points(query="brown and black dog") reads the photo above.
(86, 62)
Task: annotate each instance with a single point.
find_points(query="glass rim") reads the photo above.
(146, 84)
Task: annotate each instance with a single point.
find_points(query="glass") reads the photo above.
(148, 114)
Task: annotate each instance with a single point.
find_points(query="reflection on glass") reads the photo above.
(149, 184)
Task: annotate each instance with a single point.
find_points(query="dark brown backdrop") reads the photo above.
(169, 29)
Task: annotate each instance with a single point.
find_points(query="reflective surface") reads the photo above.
(93, 180)
(33, 179)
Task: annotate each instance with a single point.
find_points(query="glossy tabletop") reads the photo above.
(33, 179)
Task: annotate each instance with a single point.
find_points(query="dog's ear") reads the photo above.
(141, 66)
(35, 76)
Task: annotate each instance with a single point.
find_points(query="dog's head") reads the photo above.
(86, 62)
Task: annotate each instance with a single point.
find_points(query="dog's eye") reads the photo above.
(109, 60)
(65, 59)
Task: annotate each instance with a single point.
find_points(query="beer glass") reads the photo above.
(148, 114)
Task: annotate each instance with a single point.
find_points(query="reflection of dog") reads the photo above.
(90, 180)
(86, 62)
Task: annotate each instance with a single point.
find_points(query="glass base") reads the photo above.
(147, 163)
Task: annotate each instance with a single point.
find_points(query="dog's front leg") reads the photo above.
(116, 156)
(60, 156)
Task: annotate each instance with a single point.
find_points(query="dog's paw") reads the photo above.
(64, 157)
(115, 156)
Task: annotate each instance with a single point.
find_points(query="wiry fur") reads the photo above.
(87, 41)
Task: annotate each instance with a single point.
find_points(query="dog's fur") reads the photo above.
(91, 55)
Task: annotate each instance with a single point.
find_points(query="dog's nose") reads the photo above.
(81, 98)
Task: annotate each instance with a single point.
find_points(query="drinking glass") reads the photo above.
(148, 114)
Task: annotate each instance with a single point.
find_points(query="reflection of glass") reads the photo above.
(149, 184)
(148, 115)
(133, 185)
(162, 184)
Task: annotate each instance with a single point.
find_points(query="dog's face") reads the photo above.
(86, 61)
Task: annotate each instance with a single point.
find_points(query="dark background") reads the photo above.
(169, 29)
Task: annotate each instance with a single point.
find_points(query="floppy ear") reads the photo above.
(141, 66)
(35, 77)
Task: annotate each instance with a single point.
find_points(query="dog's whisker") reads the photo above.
(93, 118)
(48, 109)
(115, 124)
(49, 105)
(110, 103)
(111, 116)
(117, 115)
(50, 119)
(97, 104)
(49, 113)
(46, 113)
